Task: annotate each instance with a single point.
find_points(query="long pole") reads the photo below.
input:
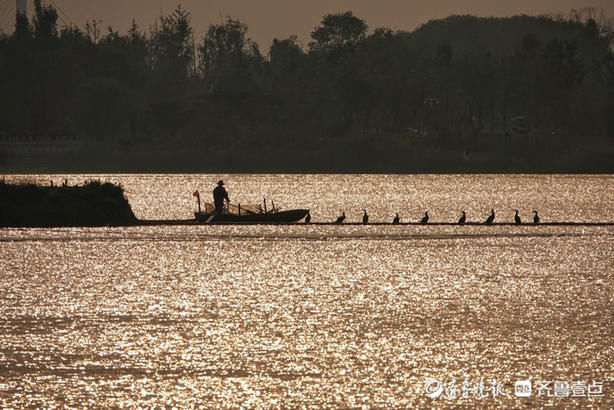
(197, 195)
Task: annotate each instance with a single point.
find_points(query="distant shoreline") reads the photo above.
(356, 154)
(327, 162)
(59, 171)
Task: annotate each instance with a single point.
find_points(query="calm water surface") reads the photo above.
(315, 315)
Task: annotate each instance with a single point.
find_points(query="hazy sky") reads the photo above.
(268, 19)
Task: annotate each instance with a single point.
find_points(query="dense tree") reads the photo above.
(462, 83)
(226, 45)
(172, 45)
(45, 21)
(338, 30)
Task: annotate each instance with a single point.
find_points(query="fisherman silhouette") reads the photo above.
(219, 194)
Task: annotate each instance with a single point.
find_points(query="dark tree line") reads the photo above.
(462, 83)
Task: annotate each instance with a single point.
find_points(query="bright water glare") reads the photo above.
(312, 315)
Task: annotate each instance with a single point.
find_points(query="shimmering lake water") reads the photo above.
(342, 316)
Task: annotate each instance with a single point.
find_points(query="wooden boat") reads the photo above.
(248, 214)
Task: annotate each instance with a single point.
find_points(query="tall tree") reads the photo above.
(45, 21)
(337, 30)
(226, 45)
(172, 45)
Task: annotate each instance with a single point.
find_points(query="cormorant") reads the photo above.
(365, 217)
(341, 218)
(516, 217)
(535, 218)
(308, 218)
(462, 219)
(490, 218)
(425, 218)
(396, 219)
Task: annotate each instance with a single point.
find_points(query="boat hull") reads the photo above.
(289, 216)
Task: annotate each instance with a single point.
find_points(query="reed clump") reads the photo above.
(91, 204)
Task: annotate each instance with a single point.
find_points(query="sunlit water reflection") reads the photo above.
(313, 315)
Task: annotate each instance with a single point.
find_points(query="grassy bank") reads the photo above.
(92, 204)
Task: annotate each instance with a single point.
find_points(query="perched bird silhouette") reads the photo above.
(365, 217)
(535, 218)
(341, 218)
(308, 218)
(516, 217)
(425, 218)
(462, 219)
(490, 218)
(396, 219)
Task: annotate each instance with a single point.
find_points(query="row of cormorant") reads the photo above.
(425, 218)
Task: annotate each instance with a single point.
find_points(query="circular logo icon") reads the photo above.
(433, 388)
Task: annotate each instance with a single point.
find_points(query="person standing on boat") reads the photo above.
(219, 194)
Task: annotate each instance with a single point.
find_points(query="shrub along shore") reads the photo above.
(91, 204)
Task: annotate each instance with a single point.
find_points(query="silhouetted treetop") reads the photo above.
(337, 30)
(45, 21)
(224, 44)
(471, 35)
(172, 44)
